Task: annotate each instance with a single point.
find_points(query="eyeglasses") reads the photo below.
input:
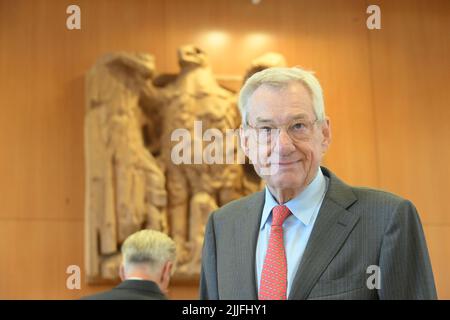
(298, 130)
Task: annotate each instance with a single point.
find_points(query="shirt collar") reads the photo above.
(303, 205)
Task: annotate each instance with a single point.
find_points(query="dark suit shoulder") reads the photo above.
(381, 206)
(377, 195)
(349, 196)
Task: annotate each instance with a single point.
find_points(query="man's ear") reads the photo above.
(326, 133)
(243, 140)
(165, 276)
(167, 272)
(122, 272)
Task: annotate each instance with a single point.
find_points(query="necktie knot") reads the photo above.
(279, 214)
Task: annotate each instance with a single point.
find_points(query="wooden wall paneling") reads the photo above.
(438, 241)
(386, 92)
(411, 96)
(329, 37)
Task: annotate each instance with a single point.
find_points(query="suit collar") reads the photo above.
(339, 191)
(245, 239)
(332, 227)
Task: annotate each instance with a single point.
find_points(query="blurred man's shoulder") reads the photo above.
(131, 290)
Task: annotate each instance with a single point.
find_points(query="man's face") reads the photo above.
(288, 163)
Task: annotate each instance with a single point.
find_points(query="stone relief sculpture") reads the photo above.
(125, 188)
(267, 60)
(132, 181)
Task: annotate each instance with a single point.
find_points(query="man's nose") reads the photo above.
(284, 142)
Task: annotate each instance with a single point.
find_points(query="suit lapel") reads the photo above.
(245, 239)
(332, 227)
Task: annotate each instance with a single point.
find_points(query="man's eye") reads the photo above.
(265, 129)
(299, 126)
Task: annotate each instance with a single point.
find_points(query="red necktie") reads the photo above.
(274, 273)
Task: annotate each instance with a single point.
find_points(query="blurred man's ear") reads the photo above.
(122, 272)
(165, 276)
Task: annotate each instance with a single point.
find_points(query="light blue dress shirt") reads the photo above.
(296, 228)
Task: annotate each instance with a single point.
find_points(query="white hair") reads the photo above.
(281, 77)
(149, 247)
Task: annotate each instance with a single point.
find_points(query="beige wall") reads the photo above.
(386, 91)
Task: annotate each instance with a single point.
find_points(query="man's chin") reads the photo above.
(281, 173)
(285, 169)
(285, 180)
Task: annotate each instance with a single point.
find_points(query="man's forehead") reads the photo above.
(282, 117)
(294, 87)
(280, 104)
(293, 95)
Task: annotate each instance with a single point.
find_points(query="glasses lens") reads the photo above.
(266, 136)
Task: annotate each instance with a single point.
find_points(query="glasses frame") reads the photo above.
(286, 127)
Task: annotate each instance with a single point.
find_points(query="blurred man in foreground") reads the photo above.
(149, 257)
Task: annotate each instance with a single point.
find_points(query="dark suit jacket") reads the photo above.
(131, 290)
(356, 228)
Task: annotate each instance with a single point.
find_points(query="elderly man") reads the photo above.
(148, 263)
(308, 235)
